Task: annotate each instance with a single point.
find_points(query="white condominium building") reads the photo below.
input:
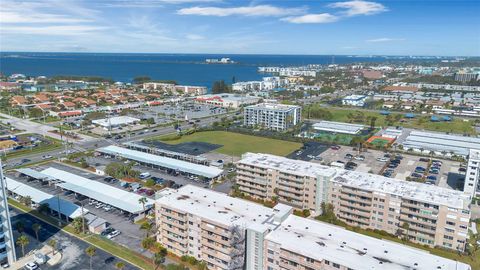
(436, 216)
(7, 244)
(230, 233)
(272, 116)
(472, 176)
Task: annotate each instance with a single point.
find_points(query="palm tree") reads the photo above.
(406, 227)
(147, 227)
(19, 226)
(36, 228)
(120, 265)
(91, 250)
(143, 201)
(158, 259)
(23, 241)
(53, 244)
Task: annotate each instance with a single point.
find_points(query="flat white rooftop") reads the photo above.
(291, 166)
(66, 208)
(273, 107)
(322, 241)
(219, 207)
(435, 141)
(101, 192)
(409, 190)
(166, 162)
(116, 121)
(474, 154)
(354, 97)
(338, 127)
(412, 190)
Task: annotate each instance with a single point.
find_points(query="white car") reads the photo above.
(382, 159)
(113, 234)
(31, 266)
(98, 206)
(359, 158)
(107, 208)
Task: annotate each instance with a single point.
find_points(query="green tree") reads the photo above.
(148, 242)
(20, 226)
(143, 201)
(53, 244)
(35, 113)
(36, 227)
(91, 251)
(79, 224)
(141, 79)
(23, 241)
(220, 87)
(43, 207)
(147, 227)
(120, 265)
(158, 259)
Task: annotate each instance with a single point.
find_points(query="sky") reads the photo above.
(356, 27)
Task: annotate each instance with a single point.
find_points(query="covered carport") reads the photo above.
(67, 209)
(123, 200)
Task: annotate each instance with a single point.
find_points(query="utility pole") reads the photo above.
(59, 213)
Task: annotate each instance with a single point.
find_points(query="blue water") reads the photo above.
(189, 69)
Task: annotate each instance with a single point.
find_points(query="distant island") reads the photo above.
(224, 60)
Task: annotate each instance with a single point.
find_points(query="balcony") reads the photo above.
(256, 192)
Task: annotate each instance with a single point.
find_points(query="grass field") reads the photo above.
(235, 144)
(457, 125)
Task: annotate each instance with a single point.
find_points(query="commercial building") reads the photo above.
(436, 216)
(467, 76)
(272, 116)
(115, 122)
(338, 127)
(227, 100)
(472, 176)
(7, 243)
(439, 143)
(230, 233)
(354, 100)
(162, 162)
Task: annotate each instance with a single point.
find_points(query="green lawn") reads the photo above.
(419, 122)
(235, 144)
(42, 147)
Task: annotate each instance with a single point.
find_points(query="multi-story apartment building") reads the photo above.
(472, 176)
(272, 116)
(7, 246)
(229, 233)
(305, 244)
(435, 216)
(213, 227)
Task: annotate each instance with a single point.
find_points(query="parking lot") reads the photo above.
(189, 109)
(72, 249)
(130, 235)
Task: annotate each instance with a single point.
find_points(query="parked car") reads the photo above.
(424, 159)
(348, 156)
(359, 158)
(144, 175)
(462, 169)
(31, 265)
(335, 147)
(432, 177)
(107, 231)
(416, 175)
(382, 159)
(113, 234)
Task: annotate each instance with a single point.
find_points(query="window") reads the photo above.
(327, 262)
(336, 265)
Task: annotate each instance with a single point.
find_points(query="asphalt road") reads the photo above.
(73, 249)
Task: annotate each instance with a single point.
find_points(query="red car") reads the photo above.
(334, 147)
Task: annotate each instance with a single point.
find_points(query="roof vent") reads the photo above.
(306, 228)
(386, 251)
(329, 234)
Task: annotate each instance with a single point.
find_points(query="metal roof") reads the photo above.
(116, 197)
(66, 208)
(171, 163)
(32, 173)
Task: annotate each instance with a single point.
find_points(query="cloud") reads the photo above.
(54, 30)
(151, 3)
(259, 10)
(359, 7)
(312, 18)
(376, 40)
(194, 37)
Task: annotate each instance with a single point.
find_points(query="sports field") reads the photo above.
(235, 144)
